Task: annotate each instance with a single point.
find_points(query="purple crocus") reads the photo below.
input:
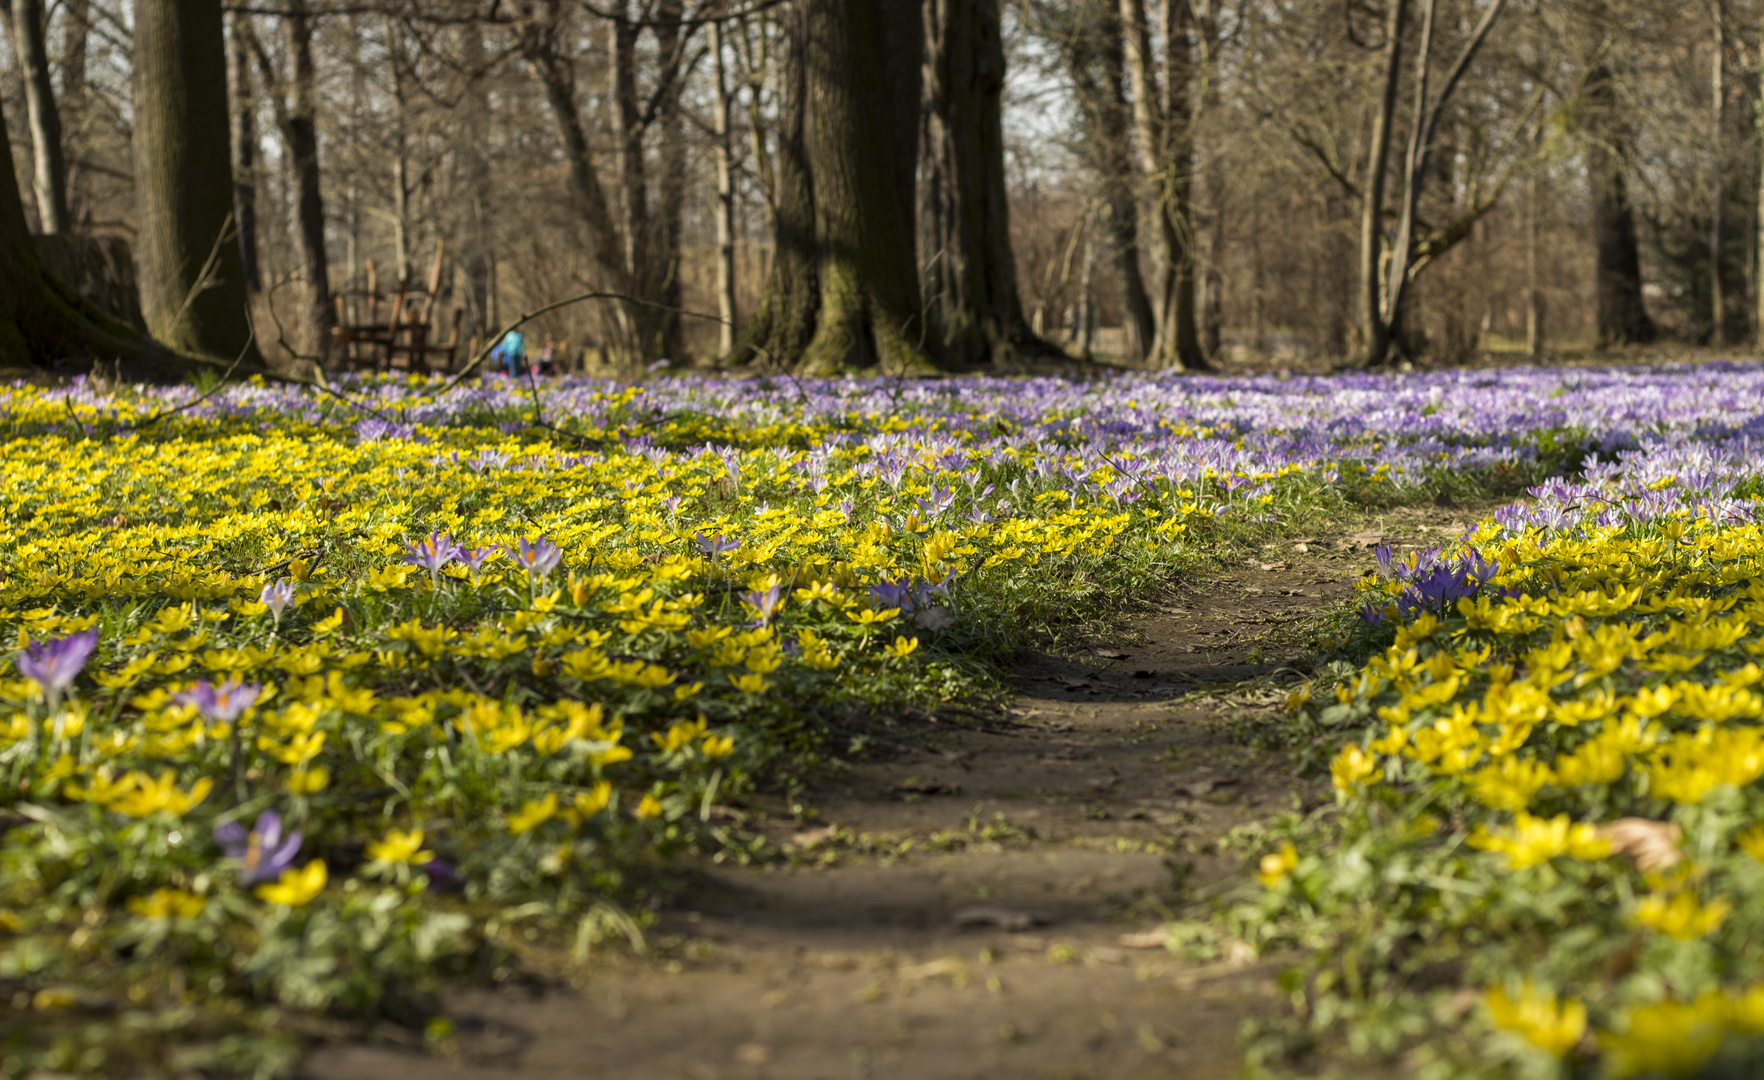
(714, 545)
(263, 853)
(277, 596)
(765, 603)
(443, 878)
(221, 704)
(432, 554)
(475, 558)
(52, 665)
(538, 557)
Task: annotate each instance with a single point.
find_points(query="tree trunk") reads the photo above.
(1374, 334)
(75, 35)
(1162, 136)
(862, 61)
(28, 24)
(969, 275)
(725, 208)
(1534, 298)
(245, 168)
(1621, 313)
(1097, 65)
(1718, 148)
(784, 320)
(43, 321)
(192, 283)
(668, 260)
(301, 135)
(475, 152)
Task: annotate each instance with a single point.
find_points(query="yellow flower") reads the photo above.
(167, 904)
(1537, 840)
(139, 796)
(869, 618)
(650, 807)
(589, 803)
(1552, 1026)
(716, 749)
(903, 647)
(309, 781)
(533, 814)
(1276, 866)
(1681, 916)
(1671, 1037)
(296, 888)
(750, 684)
(1353, 766)
(400, 846)
(1751, 841)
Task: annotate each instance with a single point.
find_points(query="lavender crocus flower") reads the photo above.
(223, 703)
(475, 558)
(277, 596)
(714, 545)
(765, 603)
(52, 665)
(432, 554)
(442, 876)
(538, 557)
(263, 853)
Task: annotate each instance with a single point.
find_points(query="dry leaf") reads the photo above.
(933, 618)
(812, 838)
(1145, 939)
(1110, 654)
(1651, 845)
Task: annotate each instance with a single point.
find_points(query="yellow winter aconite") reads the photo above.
(1553, 1026)
(296, 888)
(400, 846)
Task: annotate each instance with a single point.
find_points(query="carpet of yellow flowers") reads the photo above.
(1550, 830)
(303, 719)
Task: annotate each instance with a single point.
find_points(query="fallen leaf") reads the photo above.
(1651, 845)
(1145, 939)
(813, 838)
(1110, 654)
(1276, 566)
(934, 618)
(1301, 548)
(930, 970)
(1199, 788)
(1003, 918)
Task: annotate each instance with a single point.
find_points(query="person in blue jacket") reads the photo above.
(510, 354)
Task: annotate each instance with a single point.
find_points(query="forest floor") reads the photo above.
(974, 901)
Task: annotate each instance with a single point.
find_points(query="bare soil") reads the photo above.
(965, 902)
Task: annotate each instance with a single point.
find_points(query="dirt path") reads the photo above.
(959, 905)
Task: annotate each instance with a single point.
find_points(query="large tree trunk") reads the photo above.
(969, 275)
(192, 284)
(725, 208)
(245, 168)
(1374, 333)
(1163, 137)
(1621, 313)
(1106, 106)
(75, 35)
(475, 158)
(862, 75)
(301, 136)
(1718, 148)
(43, 321)
(783, 322)
(28, 24)
(669, 259)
